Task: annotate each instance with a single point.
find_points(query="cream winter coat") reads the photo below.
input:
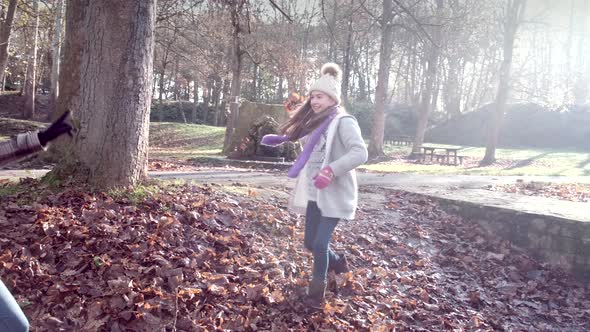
(345, 150)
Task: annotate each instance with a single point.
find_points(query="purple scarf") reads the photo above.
(276, 140)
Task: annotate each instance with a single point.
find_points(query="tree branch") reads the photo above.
(280, 10)
(328, 23)
(407, 11)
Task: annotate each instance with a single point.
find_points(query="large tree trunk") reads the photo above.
(428, 94)
(55, 52)
(30, 86)
(115, 96)
(378, 128)
(514, 12)
(5, 31)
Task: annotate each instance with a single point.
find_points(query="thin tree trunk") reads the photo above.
(175, 79)
(221, 97)
(207, 99)
(568, 57)
(195, 101)
(234, 99)
(5, 31)
(413, 80)
(397, 76)
(55, 52)
(377, 131)
(332, 46)
(218, 83)
(280, 90)
(452, 91)
(428, 93)
(362, 95)
(255, 87)
(514, 11)
(470, 86)
(347, 55)
(161, 95)
(30, 86)
(368, 73)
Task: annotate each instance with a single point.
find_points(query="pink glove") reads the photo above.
(324, 177)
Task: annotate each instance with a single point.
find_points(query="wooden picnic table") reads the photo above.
(398, 140)
(446, 158)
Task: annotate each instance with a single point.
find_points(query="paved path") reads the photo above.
(461, 187)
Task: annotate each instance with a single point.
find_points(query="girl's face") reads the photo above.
(319, 101)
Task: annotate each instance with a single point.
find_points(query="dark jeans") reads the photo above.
(12, 318)
(318, 232)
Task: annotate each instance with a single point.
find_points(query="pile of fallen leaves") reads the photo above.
(575, 192)
(203, 257)
(466, 278)
(177, 260)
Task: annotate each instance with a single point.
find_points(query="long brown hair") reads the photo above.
(304, 121)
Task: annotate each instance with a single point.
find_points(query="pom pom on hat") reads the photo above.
(333, 69)
(329, 81)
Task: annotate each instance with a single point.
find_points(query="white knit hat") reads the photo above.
(329, 81)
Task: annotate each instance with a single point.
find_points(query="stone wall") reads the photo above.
(250, 113)
(557, 241)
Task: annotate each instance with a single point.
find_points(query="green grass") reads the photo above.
(10, 127)
(547, 162)
(167, 139)
(184, 141)
(137, 194)
(9, 188)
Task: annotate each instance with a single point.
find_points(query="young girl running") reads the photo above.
(326, 190)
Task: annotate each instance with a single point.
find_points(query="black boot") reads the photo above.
(339, 266)
(315, 294)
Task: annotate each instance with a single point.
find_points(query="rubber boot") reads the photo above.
(315, 294)
(339, 266)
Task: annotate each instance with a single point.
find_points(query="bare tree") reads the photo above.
(428, 92)
(378, 128)
(5, 31)
(30, 85)
(56, 50)
(513, 17)
(236, 8)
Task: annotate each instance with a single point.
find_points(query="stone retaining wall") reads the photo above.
(557, 241)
